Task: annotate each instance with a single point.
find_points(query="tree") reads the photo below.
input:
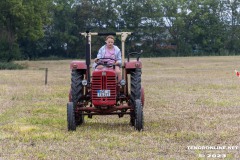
(20, 20)
(62, 34)
(46, 27)
(230, 16)
(195, 24)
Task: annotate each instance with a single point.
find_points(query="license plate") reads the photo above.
(103, 93)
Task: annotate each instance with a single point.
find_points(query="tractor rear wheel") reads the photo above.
(71, 117)
(138, 115)
(135, 92)
(76, 92)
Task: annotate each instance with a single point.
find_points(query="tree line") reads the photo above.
(30, 29)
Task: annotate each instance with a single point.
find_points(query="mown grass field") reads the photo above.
(192, 101)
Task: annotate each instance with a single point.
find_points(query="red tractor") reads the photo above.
(98, 92)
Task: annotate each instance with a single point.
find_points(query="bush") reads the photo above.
(11, 66)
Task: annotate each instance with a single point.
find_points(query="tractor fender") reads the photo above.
(142, 96)
(133, 64)
(78, 65)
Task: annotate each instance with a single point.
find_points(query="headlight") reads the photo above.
(84, 82)
(122, 82)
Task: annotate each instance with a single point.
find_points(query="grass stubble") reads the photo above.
(190, 101)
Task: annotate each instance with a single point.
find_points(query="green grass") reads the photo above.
(191, 101)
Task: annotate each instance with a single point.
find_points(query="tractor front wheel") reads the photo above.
(135, 92)
(138, 115)
(71, 117)
(132, 117)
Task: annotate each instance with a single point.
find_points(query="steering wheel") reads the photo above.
(100, 61)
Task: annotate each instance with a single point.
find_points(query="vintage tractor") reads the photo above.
(98, 92)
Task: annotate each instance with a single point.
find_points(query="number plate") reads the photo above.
(103, 93)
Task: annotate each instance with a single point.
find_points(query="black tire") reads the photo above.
(71, 117)
(138, 115)
(132, 117)
(76, 91)
(135, 92)
(135, 85)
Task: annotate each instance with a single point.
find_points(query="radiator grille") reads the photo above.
(104, 83)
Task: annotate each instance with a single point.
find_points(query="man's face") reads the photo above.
(110, 42)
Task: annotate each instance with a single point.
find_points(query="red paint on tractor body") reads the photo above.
(78, 65)
(133, 64)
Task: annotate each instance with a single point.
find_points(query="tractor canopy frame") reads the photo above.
(88, 35)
